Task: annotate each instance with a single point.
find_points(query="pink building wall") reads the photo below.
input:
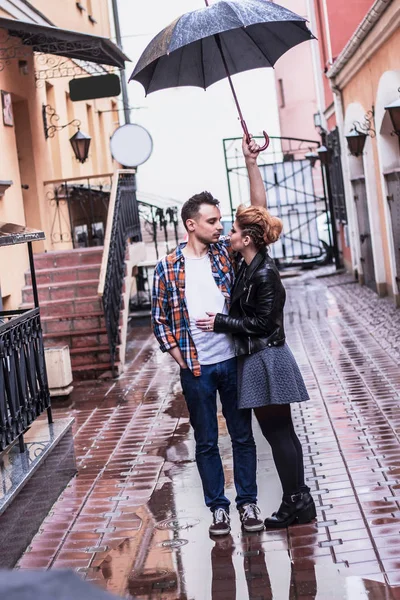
(343, 19)
(295, 85)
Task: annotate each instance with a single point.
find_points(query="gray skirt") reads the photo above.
(270, 376)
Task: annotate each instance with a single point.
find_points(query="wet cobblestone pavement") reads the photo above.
(133, 520)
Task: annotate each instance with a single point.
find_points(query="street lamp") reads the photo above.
(356, 141)
(394, 112)
(312, 157)
(80, 143)
(324, 155)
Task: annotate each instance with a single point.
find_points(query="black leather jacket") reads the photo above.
(256, 315)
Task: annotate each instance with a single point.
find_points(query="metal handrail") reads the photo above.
(24, 390)
(122, 224)
(80, 178)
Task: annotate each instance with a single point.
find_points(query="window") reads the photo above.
(281, 94)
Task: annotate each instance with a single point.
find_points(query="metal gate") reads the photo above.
(393, 185)
(295, 193)
(367, 257)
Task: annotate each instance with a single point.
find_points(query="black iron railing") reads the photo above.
(160, 219)
(125, 225)
(24, 391)
(161, 232)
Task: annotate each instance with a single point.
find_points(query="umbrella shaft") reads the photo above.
(242, 121)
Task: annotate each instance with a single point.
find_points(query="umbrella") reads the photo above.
(206, 45)
(48, 585)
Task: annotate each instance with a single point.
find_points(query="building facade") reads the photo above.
(37, 62)
(355, 66)
(366, 80)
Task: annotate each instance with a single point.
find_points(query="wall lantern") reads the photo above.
(358, 134)
(324, 155)
(356, 141)
(312, 157)
(80, 143)
(394, 112)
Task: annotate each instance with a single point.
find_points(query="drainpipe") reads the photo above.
(124, 86)
(316, 60)
(328, 32)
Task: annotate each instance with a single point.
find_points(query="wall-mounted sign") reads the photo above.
(6, 103)
(96, 86)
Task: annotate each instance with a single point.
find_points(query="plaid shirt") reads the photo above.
(170, 316)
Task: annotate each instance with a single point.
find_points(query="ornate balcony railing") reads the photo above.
(122, 224)
(78, 209)
(24, 391)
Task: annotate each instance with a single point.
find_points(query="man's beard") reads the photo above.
(206, 241)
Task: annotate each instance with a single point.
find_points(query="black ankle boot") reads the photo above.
(296, 509)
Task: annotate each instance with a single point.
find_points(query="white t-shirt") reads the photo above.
(202, 296)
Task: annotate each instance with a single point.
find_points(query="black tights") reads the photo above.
(277, 427)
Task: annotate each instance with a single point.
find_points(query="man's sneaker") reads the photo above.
(250, 517)
(221, 524)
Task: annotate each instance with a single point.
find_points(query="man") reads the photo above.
(195, 279)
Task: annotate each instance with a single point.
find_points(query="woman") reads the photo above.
(269, 378)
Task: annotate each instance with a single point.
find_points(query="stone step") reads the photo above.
(77, 339)
(90, 355)
(95, 370)
(69, 258)
(62, 291)
(64, 274)
(73, 323)
(74, 306)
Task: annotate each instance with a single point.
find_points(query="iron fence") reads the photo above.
(24, 391)
(161, 219)
(294, 184)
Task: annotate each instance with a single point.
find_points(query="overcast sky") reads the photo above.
(187, 124)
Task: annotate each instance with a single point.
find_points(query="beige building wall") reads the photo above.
(28, 159)
(352, 82)
(66, 14)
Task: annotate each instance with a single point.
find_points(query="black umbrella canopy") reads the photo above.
(48, 585)
(250, 34)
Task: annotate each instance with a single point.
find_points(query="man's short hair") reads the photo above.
(192, 206)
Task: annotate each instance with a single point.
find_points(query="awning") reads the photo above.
(63, 42)
(11, 234)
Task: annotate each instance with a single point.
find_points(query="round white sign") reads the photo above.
(131, 145)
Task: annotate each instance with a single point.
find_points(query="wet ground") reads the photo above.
(133, 520)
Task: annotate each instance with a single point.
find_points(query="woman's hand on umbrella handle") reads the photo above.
(250, 147)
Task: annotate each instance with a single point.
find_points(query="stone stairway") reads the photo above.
(71, 311)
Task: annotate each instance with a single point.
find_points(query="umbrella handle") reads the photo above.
(266, 137)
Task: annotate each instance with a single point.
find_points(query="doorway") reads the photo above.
(393, 198)
(366, 253)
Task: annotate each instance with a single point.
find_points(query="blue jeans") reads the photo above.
(201, 398)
